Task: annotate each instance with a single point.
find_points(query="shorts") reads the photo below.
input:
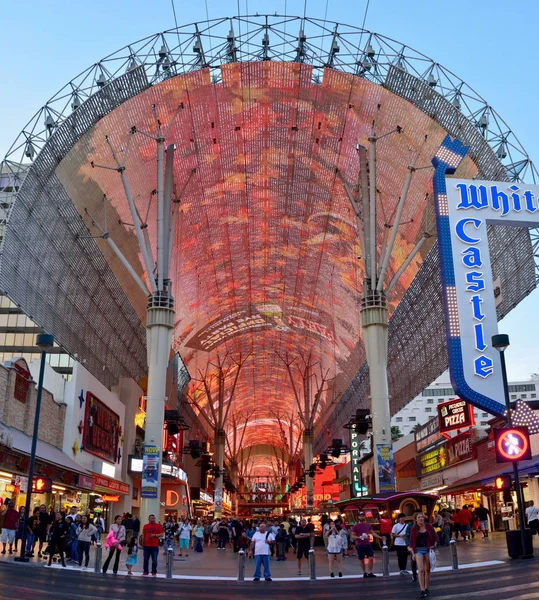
(302, 552)
(41, 535)
(464, 528)
(184, 544)
(422, 551)
(8, 535)
(483, 525)
(335, 553)
(364, 552)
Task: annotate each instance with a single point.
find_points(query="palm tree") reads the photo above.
(416, 427)
(396, 433)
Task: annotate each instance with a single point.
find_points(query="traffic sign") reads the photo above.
(502, 483)
(512, 444)
(41, 485)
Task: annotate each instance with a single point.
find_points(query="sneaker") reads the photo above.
(365, 575)
(145, 574)
(423, 595)
(154, 574)
(427, 593)
(332, 574)
(405, 572)
(414, 577)
(3, 551)
(39, 555)
(268, 579)
(10, 551)
(84, 568)
(256, 578)
(340, 574)
(371, 575)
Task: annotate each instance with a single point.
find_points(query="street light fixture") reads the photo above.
(500, 341)
(44, 342)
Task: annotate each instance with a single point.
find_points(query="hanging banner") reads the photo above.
(150, 472)
(455, 414)
(386, 469)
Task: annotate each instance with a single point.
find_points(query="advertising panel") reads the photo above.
(459, 449)
(431, 461)
(386, 470)
(427, 435)
(150, 471)
(454, 414)
(101, 429)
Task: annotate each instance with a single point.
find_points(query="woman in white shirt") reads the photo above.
(184, 534)
(337, 542)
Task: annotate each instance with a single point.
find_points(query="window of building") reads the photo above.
(428, 409)
(533, 395)
(439, 392)
(484, 424)
(522, 387)
(484, 415)
(411, 418)
(430, 400)
(398, 419)
(523, 395)
(513, 396)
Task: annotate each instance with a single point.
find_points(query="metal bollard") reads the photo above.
(312, 565)
(98, 554)
(170, 562)
(385, 561)
(454, 557)
(241, 565)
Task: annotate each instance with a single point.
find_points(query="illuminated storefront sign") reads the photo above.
(111, 484)
(357, 484)
(101, 429)
(109, 498)
(455, 414)
(431, 461)
(459, 449)
(427, 435)
(464, 209)
(512, 444)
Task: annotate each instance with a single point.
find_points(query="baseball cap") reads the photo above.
(362, 513)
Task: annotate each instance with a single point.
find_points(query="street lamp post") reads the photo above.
(500, 341)
(45, 342)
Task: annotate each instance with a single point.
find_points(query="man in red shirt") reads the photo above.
(465, 520)
(9, 527)
(151, 532)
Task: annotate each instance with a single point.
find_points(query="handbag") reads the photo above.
(432, 559)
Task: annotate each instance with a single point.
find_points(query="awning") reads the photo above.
(486, 477)
(23, 443)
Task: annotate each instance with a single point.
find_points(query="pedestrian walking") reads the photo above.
(129, 528)
(30, 535)
(20, 528)
(483, 515)
(184, 535)
(336, 543)
(10, 527)
(42, 528)
(198, 533)
(132, 554)
(423, 539)
(170, 528)
(262, 542)
(400, 540)
(59, 533)
(136, 526)
(532, 517)
(280, 542)
(151, 532)
(207, 533)
(303, 542)
(99, 523)
(361, 533)
(223, 535)
(85, 532)
(113, 543)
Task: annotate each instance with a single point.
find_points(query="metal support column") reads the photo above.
(374, 321)
(220, 439)
(159, 325)
(308, 457)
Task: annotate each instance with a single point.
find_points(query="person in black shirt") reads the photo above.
(41, 529)
(303, 542)
(237, 530)
(59, 536)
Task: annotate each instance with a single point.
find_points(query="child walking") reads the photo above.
(132, 552)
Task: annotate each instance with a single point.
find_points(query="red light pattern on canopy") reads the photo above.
(266, 250)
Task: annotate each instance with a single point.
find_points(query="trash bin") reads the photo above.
(514, 542)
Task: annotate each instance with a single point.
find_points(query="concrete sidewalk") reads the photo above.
(213, 563)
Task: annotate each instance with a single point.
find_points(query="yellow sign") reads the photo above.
(140, 418)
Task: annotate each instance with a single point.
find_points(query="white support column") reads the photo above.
(374, 320)
(159, 325)
(308, 457)
(219, 462)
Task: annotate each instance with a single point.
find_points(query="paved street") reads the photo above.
(512, 580)
(485, 572)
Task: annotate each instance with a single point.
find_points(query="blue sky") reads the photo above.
(491, 45)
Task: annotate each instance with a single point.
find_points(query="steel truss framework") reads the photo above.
(62, 277)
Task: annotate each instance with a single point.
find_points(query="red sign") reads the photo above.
(111, 484)
(512, 444)
(101, 429)
(459, 449)
(86, 482)
(108, 498)
(455, 414)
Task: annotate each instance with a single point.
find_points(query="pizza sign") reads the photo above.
(455, 414)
